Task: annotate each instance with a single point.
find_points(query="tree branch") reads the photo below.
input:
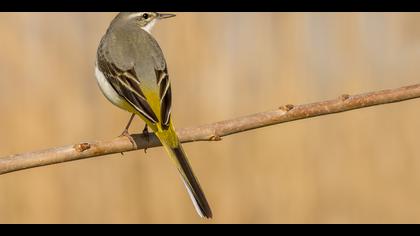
(210, 132)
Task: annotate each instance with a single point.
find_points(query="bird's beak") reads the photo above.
(165, 16)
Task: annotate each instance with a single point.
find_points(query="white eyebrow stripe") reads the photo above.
(148, 28)
(137, 14)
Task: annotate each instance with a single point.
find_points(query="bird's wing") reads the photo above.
(127, 85)
(143, 59)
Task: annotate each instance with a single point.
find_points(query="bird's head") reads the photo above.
(145, 20)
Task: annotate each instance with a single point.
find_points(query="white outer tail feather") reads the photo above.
(194, 201)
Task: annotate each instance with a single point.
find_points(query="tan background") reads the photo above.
(356, 167)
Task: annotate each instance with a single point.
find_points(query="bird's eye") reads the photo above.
(145, 16)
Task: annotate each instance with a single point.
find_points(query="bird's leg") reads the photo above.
(126, 133)
(146, 135)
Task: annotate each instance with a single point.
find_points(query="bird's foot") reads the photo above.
(125, 133)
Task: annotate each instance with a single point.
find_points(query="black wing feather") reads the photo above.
(126, 85)
(165, 93)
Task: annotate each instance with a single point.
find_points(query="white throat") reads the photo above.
(149, 26)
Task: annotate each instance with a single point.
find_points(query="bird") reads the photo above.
(132, 74)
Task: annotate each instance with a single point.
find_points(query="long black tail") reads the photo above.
(192, 184)
(178, 155)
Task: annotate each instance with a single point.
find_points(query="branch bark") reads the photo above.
(210, 132)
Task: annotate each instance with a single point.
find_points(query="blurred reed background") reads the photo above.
(355, 167)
